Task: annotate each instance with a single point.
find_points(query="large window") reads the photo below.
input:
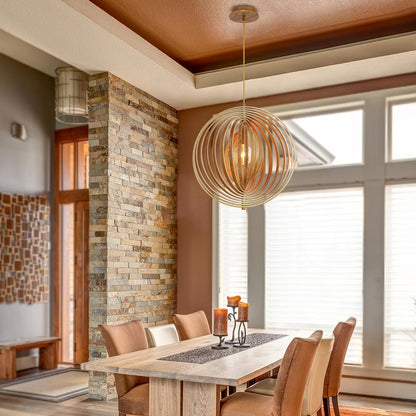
(232, 253)
(341, 240)
(400, 287)
(314, 261)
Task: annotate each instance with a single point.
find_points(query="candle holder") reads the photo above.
(242, 335)
(232, 316)
(220, 345)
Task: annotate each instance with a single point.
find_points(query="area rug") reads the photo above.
(362, 411)
(52, 388)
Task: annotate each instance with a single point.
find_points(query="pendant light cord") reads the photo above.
(244, 61)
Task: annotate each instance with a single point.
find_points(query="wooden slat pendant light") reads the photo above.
(244, 156)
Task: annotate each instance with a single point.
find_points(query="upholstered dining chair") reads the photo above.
(191, 325)
(161, 335)
(312, 399)
(132, 391)
(332, 384)
(290, 384)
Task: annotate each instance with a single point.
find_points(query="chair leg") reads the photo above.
(327, 408)
(335, 404)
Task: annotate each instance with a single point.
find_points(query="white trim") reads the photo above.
(379, 388)
(215, 256)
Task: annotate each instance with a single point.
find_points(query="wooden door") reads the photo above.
(81, 282)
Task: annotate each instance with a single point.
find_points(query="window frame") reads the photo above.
(373, 175)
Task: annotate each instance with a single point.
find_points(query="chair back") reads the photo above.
(191, 325)
(342, 334)
(121, 339)
(293, 375)
(161, 335)
(312, 399)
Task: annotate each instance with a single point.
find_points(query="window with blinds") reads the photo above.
(400, 277)
(232, 253)
(314, 262)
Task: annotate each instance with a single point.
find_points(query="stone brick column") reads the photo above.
(133, 170)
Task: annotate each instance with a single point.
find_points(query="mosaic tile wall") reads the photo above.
(24, 248)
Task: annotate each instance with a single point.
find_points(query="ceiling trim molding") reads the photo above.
(301, 62)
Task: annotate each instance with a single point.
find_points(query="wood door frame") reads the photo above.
(81, 297)
(70, 135)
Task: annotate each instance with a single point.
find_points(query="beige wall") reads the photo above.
(194, 279)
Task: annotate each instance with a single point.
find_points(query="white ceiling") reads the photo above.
(78, 33)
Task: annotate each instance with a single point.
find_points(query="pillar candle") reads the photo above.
(220, 321)
(233, 300)
(242, 311)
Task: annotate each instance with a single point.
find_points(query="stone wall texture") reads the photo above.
(133, 237)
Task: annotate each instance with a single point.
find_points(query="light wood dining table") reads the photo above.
(189, 389)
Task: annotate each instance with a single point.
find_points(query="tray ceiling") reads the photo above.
(198, 34)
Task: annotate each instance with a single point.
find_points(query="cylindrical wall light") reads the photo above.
(71, 96)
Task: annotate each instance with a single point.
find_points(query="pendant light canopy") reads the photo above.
(71, 96)
(244, 156)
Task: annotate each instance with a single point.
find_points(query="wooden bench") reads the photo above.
(47, 354)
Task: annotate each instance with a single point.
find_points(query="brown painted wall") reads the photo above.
(194, 280)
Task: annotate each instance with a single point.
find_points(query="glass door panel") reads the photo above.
(67, 269)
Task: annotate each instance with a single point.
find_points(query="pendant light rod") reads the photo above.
(244, 14)
(244, 61)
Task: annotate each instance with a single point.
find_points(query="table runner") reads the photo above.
(206, 354)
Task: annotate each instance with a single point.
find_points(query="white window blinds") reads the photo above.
(400, 278)
(314, 261)
(232, 253)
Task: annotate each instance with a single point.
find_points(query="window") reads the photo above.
(334, 138)
(400, 279)
(402, 131)
(340, 241)
(232, 253)
(314, 261)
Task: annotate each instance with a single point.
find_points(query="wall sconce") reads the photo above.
(18, 131)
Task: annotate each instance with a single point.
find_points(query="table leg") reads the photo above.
(47, 357)
(200, 399)
(8, 364)
(164, 397)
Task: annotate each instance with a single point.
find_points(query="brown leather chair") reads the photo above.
(132, 391)
(312, 399)
(191, 325)
(332, 384)
(290, 385)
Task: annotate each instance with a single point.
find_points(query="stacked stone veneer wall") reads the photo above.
(133, 171)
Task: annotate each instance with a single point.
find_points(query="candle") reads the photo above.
(242, 311)
(220, 321)
(233, 300)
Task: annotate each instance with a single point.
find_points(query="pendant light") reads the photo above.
(71, 96)
(244, 156)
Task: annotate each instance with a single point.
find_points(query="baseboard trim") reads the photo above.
(383, 388)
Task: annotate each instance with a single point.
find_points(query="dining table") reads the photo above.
(186, 378)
